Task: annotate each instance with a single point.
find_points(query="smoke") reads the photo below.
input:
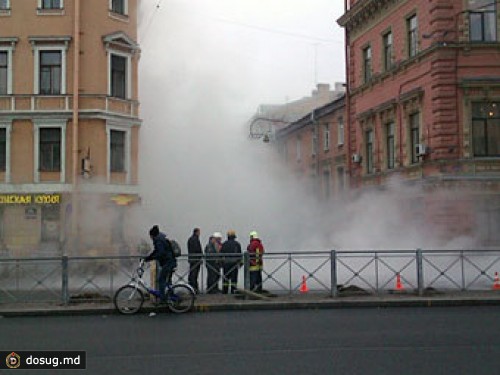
(198, 168)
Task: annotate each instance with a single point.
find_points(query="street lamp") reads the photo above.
(262, 127)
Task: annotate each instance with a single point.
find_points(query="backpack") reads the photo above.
(176, 248)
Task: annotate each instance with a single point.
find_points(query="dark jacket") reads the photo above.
(231, 246)
(212, 255)
(162, 252)
(194, 248)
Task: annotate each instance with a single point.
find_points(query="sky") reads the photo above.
(205, 67)
(275, 50)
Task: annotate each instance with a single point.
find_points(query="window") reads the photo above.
(482, 24)
(119, 6)
(50, 72)
(390, 145)
(412, 27)
(50, 4)
(340, 179)
(340, 131)
(414, 136)
(369, 151)
(3, 149)
(117, 149)
(314, 145)
(4, 5)
(326, 183)
(118, 76)
(326, 137)
(486, 129)
(50, 149)
(367, 64)
(298, 149)
(387, 40)
(4, 70)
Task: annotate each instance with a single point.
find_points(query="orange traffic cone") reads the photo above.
(303, 286)
(399, 284)
(496, 285)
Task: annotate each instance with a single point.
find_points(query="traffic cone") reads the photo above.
(303, 286)
(496, 285)
(399, 284)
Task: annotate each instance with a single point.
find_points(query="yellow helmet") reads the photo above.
(231, 232)
(254, 234)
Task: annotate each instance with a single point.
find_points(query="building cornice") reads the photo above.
(363, 11)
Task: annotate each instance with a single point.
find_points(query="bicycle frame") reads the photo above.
(138, 282)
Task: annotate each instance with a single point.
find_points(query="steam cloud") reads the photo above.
(199, 169)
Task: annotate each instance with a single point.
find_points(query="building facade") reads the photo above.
(273, 117)
(313, 147)
(423, 103)
(69, 125)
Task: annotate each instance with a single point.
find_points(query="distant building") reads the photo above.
(313, 147)
(423, 104)
(272, 117)
(69, 125)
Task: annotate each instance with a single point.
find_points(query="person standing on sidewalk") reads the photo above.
(232, 262)
(255, 251)
(194, 258)
(212, 251)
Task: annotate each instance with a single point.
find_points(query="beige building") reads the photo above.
(69, 126)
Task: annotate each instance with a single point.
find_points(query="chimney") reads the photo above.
(321, 89)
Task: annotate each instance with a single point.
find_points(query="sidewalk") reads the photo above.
(310, 300)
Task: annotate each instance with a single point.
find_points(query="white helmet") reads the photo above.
(217, 235)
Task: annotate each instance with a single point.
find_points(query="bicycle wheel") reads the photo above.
(180, 298)
(128, 299)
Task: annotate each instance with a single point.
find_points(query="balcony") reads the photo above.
(25, 104)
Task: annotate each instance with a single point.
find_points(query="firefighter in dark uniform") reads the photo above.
(231, 253)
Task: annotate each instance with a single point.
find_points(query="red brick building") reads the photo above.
(423, 80)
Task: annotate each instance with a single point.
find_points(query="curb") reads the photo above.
(262, 306)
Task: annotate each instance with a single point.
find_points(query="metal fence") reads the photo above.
(71, 279)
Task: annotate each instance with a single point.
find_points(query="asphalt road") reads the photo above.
(459, 340)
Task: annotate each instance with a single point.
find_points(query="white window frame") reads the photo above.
(7, 6)
(326, 137)
(128, 146)
(7, 125)
(37, 49)
(48, 123)
(10, 75)
(40, 5)
(128, 74)
(340, 131)
(125, 7)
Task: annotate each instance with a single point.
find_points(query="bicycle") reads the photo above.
(129, 298)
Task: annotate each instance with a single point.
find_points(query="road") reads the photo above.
(451, 340)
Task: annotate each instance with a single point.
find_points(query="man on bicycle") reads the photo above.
(164, 254)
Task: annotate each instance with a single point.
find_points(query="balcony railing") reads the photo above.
(26, 103)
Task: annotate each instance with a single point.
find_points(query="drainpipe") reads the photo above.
(347, 125)
(74, 144)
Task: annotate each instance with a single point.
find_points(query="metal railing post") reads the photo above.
(333, 265)
(420, 272)
(65, 291)
(246, 269)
